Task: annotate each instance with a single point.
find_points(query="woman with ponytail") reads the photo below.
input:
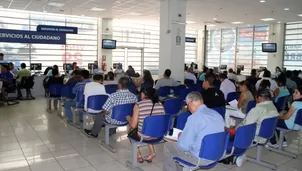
(148, 106)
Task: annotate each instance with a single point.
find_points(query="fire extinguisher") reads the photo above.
(104, 68)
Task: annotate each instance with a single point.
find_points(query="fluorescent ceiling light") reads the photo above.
(211, 25)
(300, 15)
(267, 19)
(97, 9)
(286, 9)
(190, 22)
(237, 22)
(262, 1)
(134, 13)
(279, 22)
(215, 18)
(56, 4)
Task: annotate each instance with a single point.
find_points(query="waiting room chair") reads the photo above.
(10, 90)
(189, 82)
(164, 91)
(250, 106)
(232, 96)
(181, 120)
(27, 83)
(178, 89)
(119, 113)
(172, 106)
(111, 88)
(80, 101)
(281, 103)
(54, 90)
(154, 126)
(221, 110)
(213, 148)
(146, 85)
(93, 103)
(66, 95)
(298, 122)
(243, 140)
(132, 89)
(267, 131)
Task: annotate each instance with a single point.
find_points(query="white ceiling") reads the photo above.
(200, 11)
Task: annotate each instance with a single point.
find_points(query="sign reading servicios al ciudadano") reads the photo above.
(20, 36)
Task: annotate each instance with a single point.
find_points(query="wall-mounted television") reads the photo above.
(108, 44)
(269, 47)
(223, 67)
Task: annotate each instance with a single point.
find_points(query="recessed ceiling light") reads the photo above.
(267, 19)
(97, 9)
(211, 25)
(45, 11)
(237, 22)
(190, 22)
(215, 18)
(248, 25)
(262, 1)
(134, 13)
(286, 9)
(56, 4)
(300, 15)
(279, 22)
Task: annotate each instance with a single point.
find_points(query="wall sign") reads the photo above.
(190, 39)
(20, 36)
(60, 29)
(178, 40)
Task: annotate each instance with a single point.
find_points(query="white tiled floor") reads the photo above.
(32, 140)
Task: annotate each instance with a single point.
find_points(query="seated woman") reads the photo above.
(109, 79)
(55, 79)
(149, 106)
(287, 121)
(282, 90)
(265, 84)
(6, 79)
(246, 96)
(146, 81)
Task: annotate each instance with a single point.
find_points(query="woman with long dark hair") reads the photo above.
(146, 81)
(287, 121)
(149, 106)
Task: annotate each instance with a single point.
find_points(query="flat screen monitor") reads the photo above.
(216, 70)
(269, 47)
(67, 66)
(115, 65)
(36, 66)
(108, 44)
(223, 67)
(90, 66)
(241, 67)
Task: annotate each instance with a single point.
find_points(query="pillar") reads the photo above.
(276, 35)
(105, 32)
(172, 38)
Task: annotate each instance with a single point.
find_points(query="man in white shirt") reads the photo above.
(232, 75)
(94, 88)
(267, 76)
(226, 86)
(190, 76)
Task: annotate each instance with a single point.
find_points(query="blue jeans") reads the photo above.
(67, 107)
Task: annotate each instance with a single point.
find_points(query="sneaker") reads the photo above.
(284, 144)
(269, 144)
(240, 160)
(88, 132)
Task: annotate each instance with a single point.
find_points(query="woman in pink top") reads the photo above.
(149, 106)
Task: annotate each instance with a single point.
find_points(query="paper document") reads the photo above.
(234, 104)
(174, 136)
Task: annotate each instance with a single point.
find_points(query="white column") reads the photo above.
(276, 35)
(105, 30)
(172, 37)
(200, 49)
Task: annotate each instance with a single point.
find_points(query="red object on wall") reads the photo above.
(104, 67)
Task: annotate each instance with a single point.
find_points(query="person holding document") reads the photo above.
(238, 108)
(198, 125)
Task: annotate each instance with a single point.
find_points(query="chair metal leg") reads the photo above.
(60, 112)
(84, 121)
(75, 118)
(259, 161)
(132, 165)
(280, 147)
(106, 142)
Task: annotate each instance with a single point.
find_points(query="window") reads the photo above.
(237, 46)
(293, 46)
(80, 48)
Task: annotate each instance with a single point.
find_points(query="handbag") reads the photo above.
(133, 132)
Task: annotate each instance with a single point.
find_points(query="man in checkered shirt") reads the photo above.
(120, 97)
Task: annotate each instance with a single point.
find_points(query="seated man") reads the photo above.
(76, 78)
(264, 109)
(6, 77)
(77, 88)
(190, 75)
(121, 96)
(212, 97)
(226, 86)
(231, 75)
(20, 74)
(267, 76)
(198, 125)
(166, 81)
(55, 79)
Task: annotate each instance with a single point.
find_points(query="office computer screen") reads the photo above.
(36, 66)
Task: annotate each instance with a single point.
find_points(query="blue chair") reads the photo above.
(267, 131)
(213, 148)
(217, 84)
(181, 120)
(54, 92)
(80, 101)
(183, 94)
(178, 89)
(119, 113)
(250, 105)
(232, 96)
(154, 126)
(111, 88)
(94, 103)
(146, 85)
(164, 91)
(221, 110)
(189, 82)
(66, 95)
(243, 140)
(281, 103)
(172, 106)
(298, 122)
(132, 89)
